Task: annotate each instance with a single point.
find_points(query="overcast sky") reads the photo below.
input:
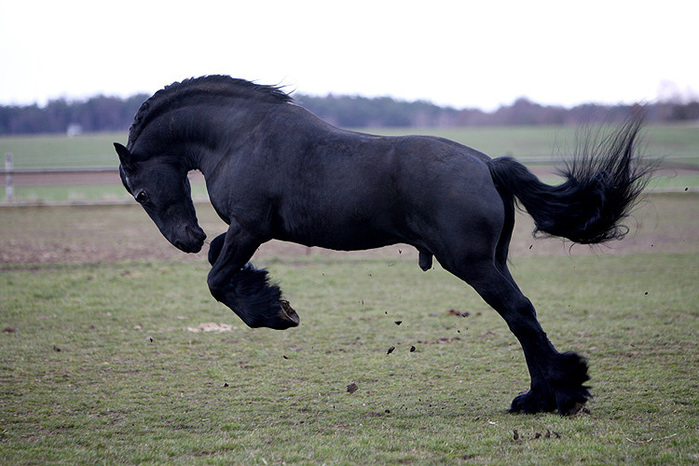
(456, 52)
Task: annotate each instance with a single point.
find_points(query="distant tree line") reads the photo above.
(95, 114)
(115, 114)
(362, 112)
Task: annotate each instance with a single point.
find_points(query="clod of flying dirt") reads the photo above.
(412, 349)
(390, 350)
(285, 357)
(351, 388)
(225, 385)
(454, 312)
(398, 322)
(537, 435)
(56, 349)
(516, 435)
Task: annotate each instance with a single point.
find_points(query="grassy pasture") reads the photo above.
(673, 142)
(99, 363)
(52, 151)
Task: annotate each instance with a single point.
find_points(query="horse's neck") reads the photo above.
(205, 159)
(212, 146)
(202, 152)
(215, 133)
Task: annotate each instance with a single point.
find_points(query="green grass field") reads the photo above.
(50, 151)
(100, 365)
(104, 359)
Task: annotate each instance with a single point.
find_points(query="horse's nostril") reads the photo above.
(196, 233)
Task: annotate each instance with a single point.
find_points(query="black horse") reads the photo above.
(275, 171)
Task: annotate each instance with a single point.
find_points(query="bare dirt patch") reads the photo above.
(66, 178)
(109, 233)
(208, 327)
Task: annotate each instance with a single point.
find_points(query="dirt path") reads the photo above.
(88, 234)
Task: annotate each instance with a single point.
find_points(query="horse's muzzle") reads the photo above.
(192, 241)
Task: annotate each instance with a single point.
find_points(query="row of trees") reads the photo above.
(362, 112)
(114, 114)
(96, 114)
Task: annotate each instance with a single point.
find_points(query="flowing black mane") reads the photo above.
(220, 86)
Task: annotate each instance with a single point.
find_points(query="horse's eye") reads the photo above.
(141, 197)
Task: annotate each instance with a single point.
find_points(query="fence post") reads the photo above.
(9, 187)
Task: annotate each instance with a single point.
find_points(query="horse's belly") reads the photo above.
(345, 236)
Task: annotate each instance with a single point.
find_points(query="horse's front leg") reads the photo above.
(245, 289)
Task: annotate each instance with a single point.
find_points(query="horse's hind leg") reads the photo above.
(556, 379)
(239, 285)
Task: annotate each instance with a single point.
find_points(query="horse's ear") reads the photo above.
(124, 154)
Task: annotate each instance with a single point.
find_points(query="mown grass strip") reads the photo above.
(99, 365)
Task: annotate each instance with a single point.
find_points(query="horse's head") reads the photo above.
(163, 191)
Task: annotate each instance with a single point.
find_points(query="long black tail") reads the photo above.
(604, 180)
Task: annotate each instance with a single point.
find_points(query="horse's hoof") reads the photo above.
(288, 315)
(575, 409)
(531, 402)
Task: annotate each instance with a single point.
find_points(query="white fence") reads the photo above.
(111, 174)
